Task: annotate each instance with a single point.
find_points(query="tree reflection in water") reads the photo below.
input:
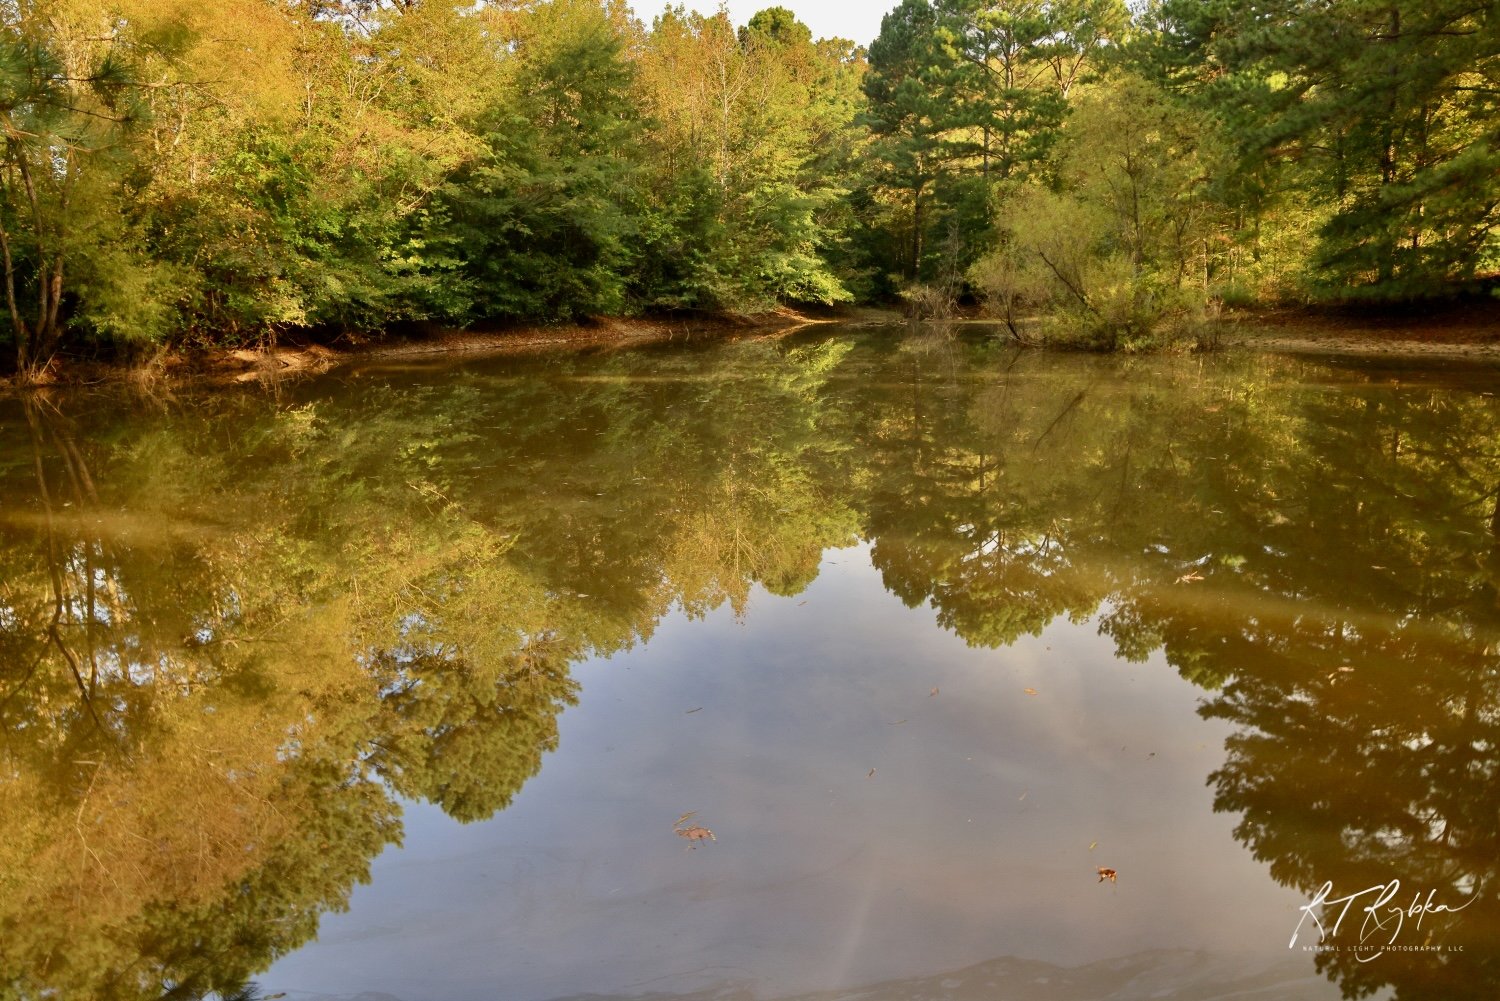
(237, 630)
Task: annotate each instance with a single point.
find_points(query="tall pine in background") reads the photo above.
(1382, 117)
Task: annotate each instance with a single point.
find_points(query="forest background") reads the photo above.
(177, 174)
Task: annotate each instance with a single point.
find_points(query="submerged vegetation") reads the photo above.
(178, 174)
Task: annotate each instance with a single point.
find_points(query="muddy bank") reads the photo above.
(1452, 331)
(1455, 331)
(294, 357)
(1469, 330)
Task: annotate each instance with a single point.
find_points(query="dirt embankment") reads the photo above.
(295, 357)
(1464, 330)
(1469, 330)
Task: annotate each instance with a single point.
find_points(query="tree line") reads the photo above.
(178, 175)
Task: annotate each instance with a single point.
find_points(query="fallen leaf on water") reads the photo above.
(932, 693)
(691, 711)
(1023, 796)
(685, 816)
(1029, 691)
(696, 834)
(1093, 845)
(1108, 874)
(897, 722)
(1188, 578)
(871, 775)
(801, 603)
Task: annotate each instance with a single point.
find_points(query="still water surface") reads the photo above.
(394, 684)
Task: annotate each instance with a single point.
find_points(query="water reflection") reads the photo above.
(236, 632)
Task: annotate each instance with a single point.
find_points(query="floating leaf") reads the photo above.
(1029, 691)
(1093, 845)
(1108, 874)
(932, 693)
(871, 775)
(696, 834)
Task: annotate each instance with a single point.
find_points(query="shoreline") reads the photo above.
(1457, 333)
(304, 357)
(1450, 331)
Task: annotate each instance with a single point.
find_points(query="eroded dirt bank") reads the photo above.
(1450, 331)
(294, 356)
(1447, 331)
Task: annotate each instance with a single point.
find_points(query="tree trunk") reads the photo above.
(916, 231)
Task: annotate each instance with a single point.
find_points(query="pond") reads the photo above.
(991, 673)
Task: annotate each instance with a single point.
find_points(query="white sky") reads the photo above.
(857, 20)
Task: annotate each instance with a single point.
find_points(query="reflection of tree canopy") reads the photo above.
(1324, 555)
(233, 630)
(1367, 701)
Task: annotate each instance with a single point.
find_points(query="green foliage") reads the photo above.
(174, 174)
(966, 95)
(1117, 257)
(1382, 116)
(544, 219)
(69, 103)
(749, 135)
(905, 121)
(307, 207)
